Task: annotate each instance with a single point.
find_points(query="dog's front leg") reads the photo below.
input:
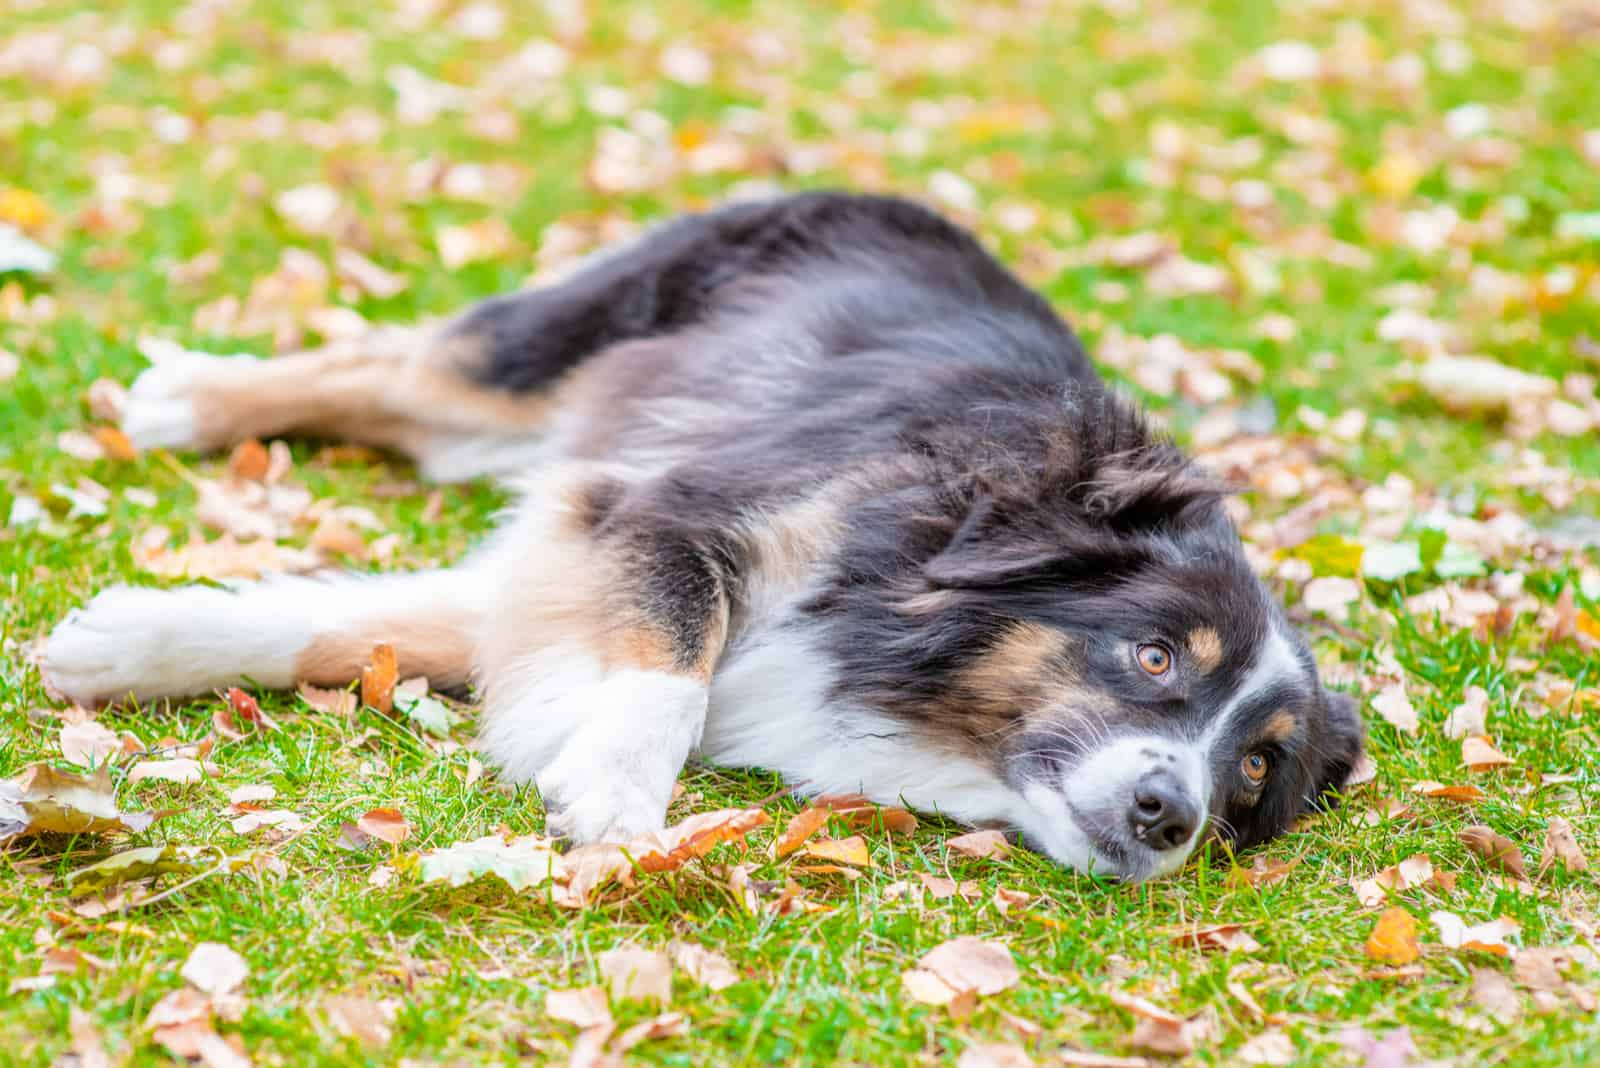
(596, 656)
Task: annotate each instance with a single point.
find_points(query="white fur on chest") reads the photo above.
(772, 706)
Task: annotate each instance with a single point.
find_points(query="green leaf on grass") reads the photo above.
(1330, 555)
(431, 715)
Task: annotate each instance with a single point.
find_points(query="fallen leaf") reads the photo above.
(333, 702)
(215, 969)
(1263, 872)
(941, 889)
(852, 851)
(980, 844)
(666, 1025)
(805, 823)
(385, 824)
(1470, 717)
(1219, 937)
(637, 975)
(432, 715)
(1542, 967)
(584, 1007)
(251, 794)
(962, 965)
(87, 1045)
(278, 819)
(1160, 1031)
(706, 967)
(1394, 939)
(994, 1055)
(1077, 1058)
(519, 862)
(1393, 1050)
(43, 800)
(1493, 993)
(181, 1022)
(1465, 793)
(696, 836)
(379, 677)
(1269, 1047)
(89, 743)
(180, 770)
(1479, 754)
(371, 1023)
(1396, 708)
(1411, 873)
(1560, 844)
(249, 461)
(1489, 937)
(138, 864)
(1496, 849)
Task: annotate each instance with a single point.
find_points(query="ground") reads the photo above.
(1278, 224)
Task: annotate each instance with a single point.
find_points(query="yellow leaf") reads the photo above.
(1394, 940)
(852, 850)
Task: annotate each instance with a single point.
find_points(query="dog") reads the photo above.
(812, 484)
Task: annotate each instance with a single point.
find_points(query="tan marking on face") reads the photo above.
(1030, 667)
(1281, 727)
(438, 644)
(1205, 649)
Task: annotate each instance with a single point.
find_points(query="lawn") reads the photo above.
(1282, 225)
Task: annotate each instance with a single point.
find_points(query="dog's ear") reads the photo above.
(1009, 543)
(1342, 742)
(1129, 495)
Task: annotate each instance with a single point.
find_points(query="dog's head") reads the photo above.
(1092, 629)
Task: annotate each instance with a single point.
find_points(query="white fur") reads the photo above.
(145, 643)
(771, 707)
(604, 747)
(160, 412)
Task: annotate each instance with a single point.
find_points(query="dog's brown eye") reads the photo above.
(1255, 767)
(1155, 659)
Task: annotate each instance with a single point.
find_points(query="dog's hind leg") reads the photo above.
(143, 643)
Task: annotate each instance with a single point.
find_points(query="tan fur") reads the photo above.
(1030, 668)
(1205, 649)
(398, 388)
(1281, 727)
(438, 646)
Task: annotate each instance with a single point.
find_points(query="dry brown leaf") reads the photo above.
(1560, 844)
(1078, 1058)
(385, 824)
(637, 975)
(666, 1025)
(981, 844)
(114, 443)
(1160, 1031)
(940, 888)
(334, 535)
(584, 1007)
(87, 1045)
(1542, 967)
(225, 558)
(706, 967)
(696, 836)
(994, 1055)
(1488, 937)
(1479, 754)
(44, 800)
(180, 770)
(1219, 937)
(89, 743)
(280, 820)
(805, 823)
(1413, 872)
(852, 851)
(1269, 1047)
(1394, 939)
(240, 797)
(1496, 849)
(249, 461)
(215, 969)
(334, 702)
(1493, 993)
(965, 965)
(369, 1022)
(1396, 708)
(379, 677)
(1465, 793)
(1005, 899)
(861, 814)
(1263, 872)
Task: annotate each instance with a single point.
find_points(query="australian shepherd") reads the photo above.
(812, 484)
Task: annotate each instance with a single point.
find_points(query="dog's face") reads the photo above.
(1127, 675)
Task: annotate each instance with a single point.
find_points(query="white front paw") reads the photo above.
(109, 649)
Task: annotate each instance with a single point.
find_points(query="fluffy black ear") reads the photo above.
(1139, 492)
(1340, 746)
(1005, 543)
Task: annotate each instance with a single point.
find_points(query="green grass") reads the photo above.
(1057, 107)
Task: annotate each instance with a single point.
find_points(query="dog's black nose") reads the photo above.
(1163, 816)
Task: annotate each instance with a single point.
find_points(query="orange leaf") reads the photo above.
(387, 824)
(378, 678)
(1394, 939)
(697, 836)
(1465, 793)
(803, 826)
(1496, 849)
(852, 850)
